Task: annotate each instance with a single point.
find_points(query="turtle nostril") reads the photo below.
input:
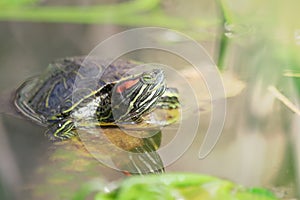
(159, 74)
(157, 71)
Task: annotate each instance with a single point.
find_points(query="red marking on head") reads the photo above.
(127, 173)
(125, 85)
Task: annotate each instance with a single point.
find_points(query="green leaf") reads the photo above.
(185, 186)
(15, 3)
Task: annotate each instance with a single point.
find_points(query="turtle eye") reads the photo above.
(147, 78)
(155, 76)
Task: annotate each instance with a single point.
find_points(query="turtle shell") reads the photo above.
(53, 91)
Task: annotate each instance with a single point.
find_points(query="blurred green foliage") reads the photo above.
(127, 13)
(177, 186)
(12, 4)
(267, 42)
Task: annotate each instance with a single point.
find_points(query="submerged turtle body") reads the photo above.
(78, 92)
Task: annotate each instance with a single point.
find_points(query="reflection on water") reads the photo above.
(44, 170)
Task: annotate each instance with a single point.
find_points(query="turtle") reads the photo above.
(83, 92)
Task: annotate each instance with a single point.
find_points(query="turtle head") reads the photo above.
(137, 95)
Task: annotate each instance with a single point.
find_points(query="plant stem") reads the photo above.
(224, 40)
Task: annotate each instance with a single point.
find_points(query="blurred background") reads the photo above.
(256, 42)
